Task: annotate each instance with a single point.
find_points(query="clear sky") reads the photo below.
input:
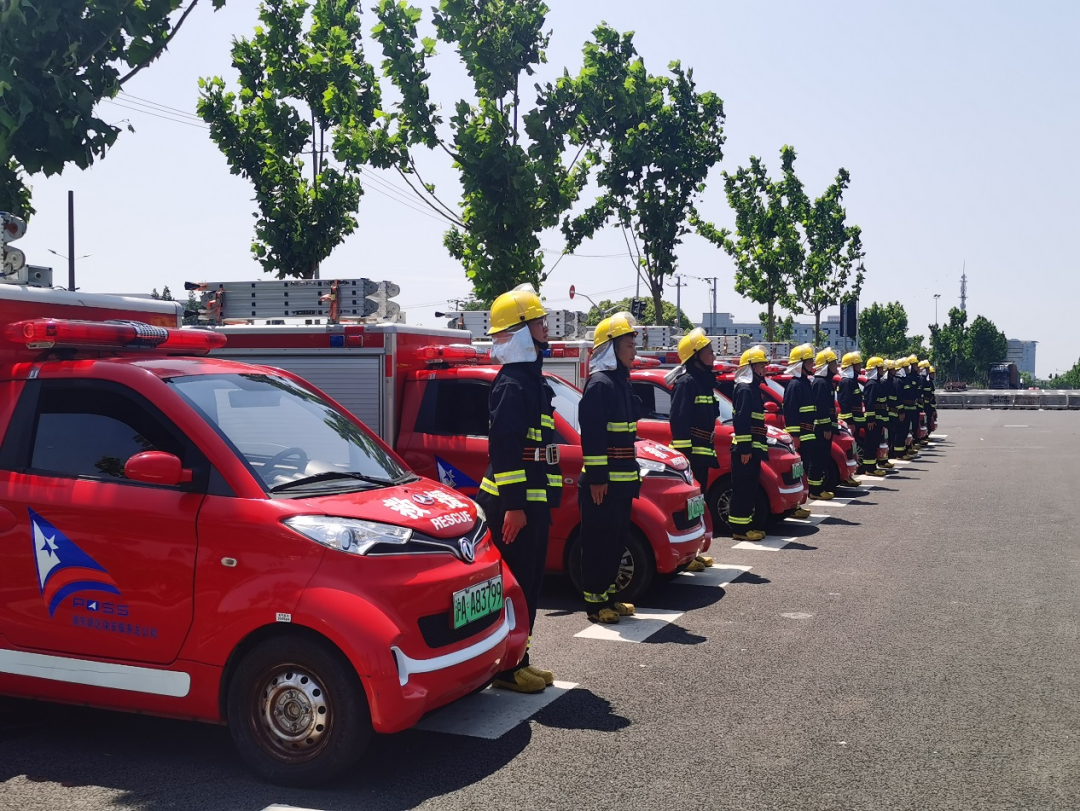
(956, 119)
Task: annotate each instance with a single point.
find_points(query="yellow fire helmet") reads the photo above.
(824, 357)
(924, 364)
(691, 342)
(754, 354)
(889, 365)
(850, 359)
(516, 307)
(874, 363)
(802, 352)
(912, 360)
(931, 370)
(612, 327)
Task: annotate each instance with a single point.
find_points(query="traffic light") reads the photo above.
(12, 260)
(637, 308)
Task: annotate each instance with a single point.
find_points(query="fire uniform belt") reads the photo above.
(549, 454)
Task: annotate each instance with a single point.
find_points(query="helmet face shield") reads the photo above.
(515, 345)
(603, 359)
(745, 374)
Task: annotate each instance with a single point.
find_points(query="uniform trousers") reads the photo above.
(815, 465)
(745, 483)
(605, 531)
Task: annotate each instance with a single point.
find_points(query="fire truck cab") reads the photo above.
(200, 538)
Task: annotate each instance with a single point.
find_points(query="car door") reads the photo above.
(656, 410)
(95, 564)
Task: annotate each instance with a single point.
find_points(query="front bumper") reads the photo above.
(662, 497)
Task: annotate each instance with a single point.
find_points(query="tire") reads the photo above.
(718, 502)
(297, 711)
(637, 567)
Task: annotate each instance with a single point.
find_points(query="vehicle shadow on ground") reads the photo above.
(673, 634)
(799, 547)
(751, 579)
(790, 530)
(157, 764)
(837, 520)
(862, 502)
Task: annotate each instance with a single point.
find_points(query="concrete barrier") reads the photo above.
(997, 398)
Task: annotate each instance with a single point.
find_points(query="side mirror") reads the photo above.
(771, 407)
(156, 467)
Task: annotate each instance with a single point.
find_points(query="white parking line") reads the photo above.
(768, 544)
(638, 628)
(833, 502)
(812, 521)
(939, 436)
(718, 575)
(901, 461)
(492, 713)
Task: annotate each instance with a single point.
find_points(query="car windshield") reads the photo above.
(566, 401)
(726, 413)
(290, 438)
(772, 384)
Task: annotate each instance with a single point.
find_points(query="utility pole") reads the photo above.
(71, 240)
(963, 288)
(679, 285)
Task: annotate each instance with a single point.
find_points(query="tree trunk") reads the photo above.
(770, 329)
(817, 325)
(657, 301)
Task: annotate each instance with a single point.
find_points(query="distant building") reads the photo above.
(725, 324)
(1022, 353)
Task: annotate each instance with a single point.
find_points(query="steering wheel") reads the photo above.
(276, 460)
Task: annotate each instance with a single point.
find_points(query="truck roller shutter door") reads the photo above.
(355, 382)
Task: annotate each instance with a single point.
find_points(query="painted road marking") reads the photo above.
(833, 502)
(939, 436)
(768, 544)
(718, 575)
(492, 713)
(638, 628)
(812, 521)
(1016, 426)
(901, 461)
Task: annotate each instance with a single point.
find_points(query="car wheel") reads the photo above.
(297, 711)
(718, 502)
(637, 567)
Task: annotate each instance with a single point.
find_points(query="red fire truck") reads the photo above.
(200, 538)
(426, 393)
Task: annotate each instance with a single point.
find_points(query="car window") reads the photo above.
(566, 401)
(88, 431)
(461, 408)
(726, 410)
(655, 400)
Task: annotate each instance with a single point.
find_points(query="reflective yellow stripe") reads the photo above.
(622, 427)
(845, 416)
(757, 415)
(595, 598)
(595, 460)
(761, 446)
(554, 480)
(807, 409)
(680, 443)
(624, 476)
(822, 421)
(547, 421)
(743, 437)
(534, 434)
(705, 399)
(738, 521)
(488, 486)
(536, 495)
(705, 451)
(510, 477)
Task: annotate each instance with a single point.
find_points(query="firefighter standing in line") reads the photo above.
(749, 444)
(799, 416)
(821, 385)
(853, 408)
(523, 481)
(694, 409)
(925, 398)
(899, 429)
(876, 407)
(893, 399)
(931, 395)
(610, 480)
(910, 397)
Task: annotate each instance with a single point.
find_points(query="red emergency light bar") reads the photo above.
(49, 333)
(454, 353)
(640, 363)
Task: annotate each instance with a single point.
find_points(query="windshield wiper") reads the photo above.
(330, 475)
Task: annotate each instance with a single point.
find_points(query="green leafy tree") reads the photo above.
(917, 346)
(298, 88)
(58, 59)
(985, 345)
(834, 252)
(669, 313)
(191, 309)
(784, 329)
(883, 330)
(949, 345)
(514, 181)
(1027, 380)
(767, 244)
(654, 139)
(1069, 379)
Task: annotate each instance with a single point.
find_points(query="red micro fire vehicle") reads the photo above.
(427, 393)
(782, 487)
(200, 538)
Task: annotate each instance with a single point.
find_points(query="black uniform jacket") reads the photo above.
(694, 409)
(874, 401)
(608, 415)
(824, 405)
(750, 435)
(851, 400)
(522, 425)
(799, 409)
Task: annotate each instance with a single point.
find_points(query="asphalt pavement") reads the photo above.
(917, 649)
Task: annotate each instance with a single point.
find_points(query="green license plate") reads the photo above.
(796, 470)
(695, 507)
(478, 601)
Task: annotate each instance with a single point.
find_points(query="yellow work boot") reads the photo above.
(695, 566)
(520, 681)
(878, 473)
(850, 481)
(886, 464)
(605, 616)
(706, 560)
(546, 675)
(824, 495)
(623, 609)
(801, 512)
(755, 534)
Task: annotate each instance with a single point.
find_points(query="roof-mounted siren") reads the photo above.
(454, 354)
(132, 336)
(12, 260)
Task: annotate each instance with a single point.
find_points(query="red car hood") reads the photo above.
(424, 505)
(648, 449)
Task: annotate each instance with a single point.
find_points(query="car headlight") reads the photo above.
(647, 466)
(348, 534)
